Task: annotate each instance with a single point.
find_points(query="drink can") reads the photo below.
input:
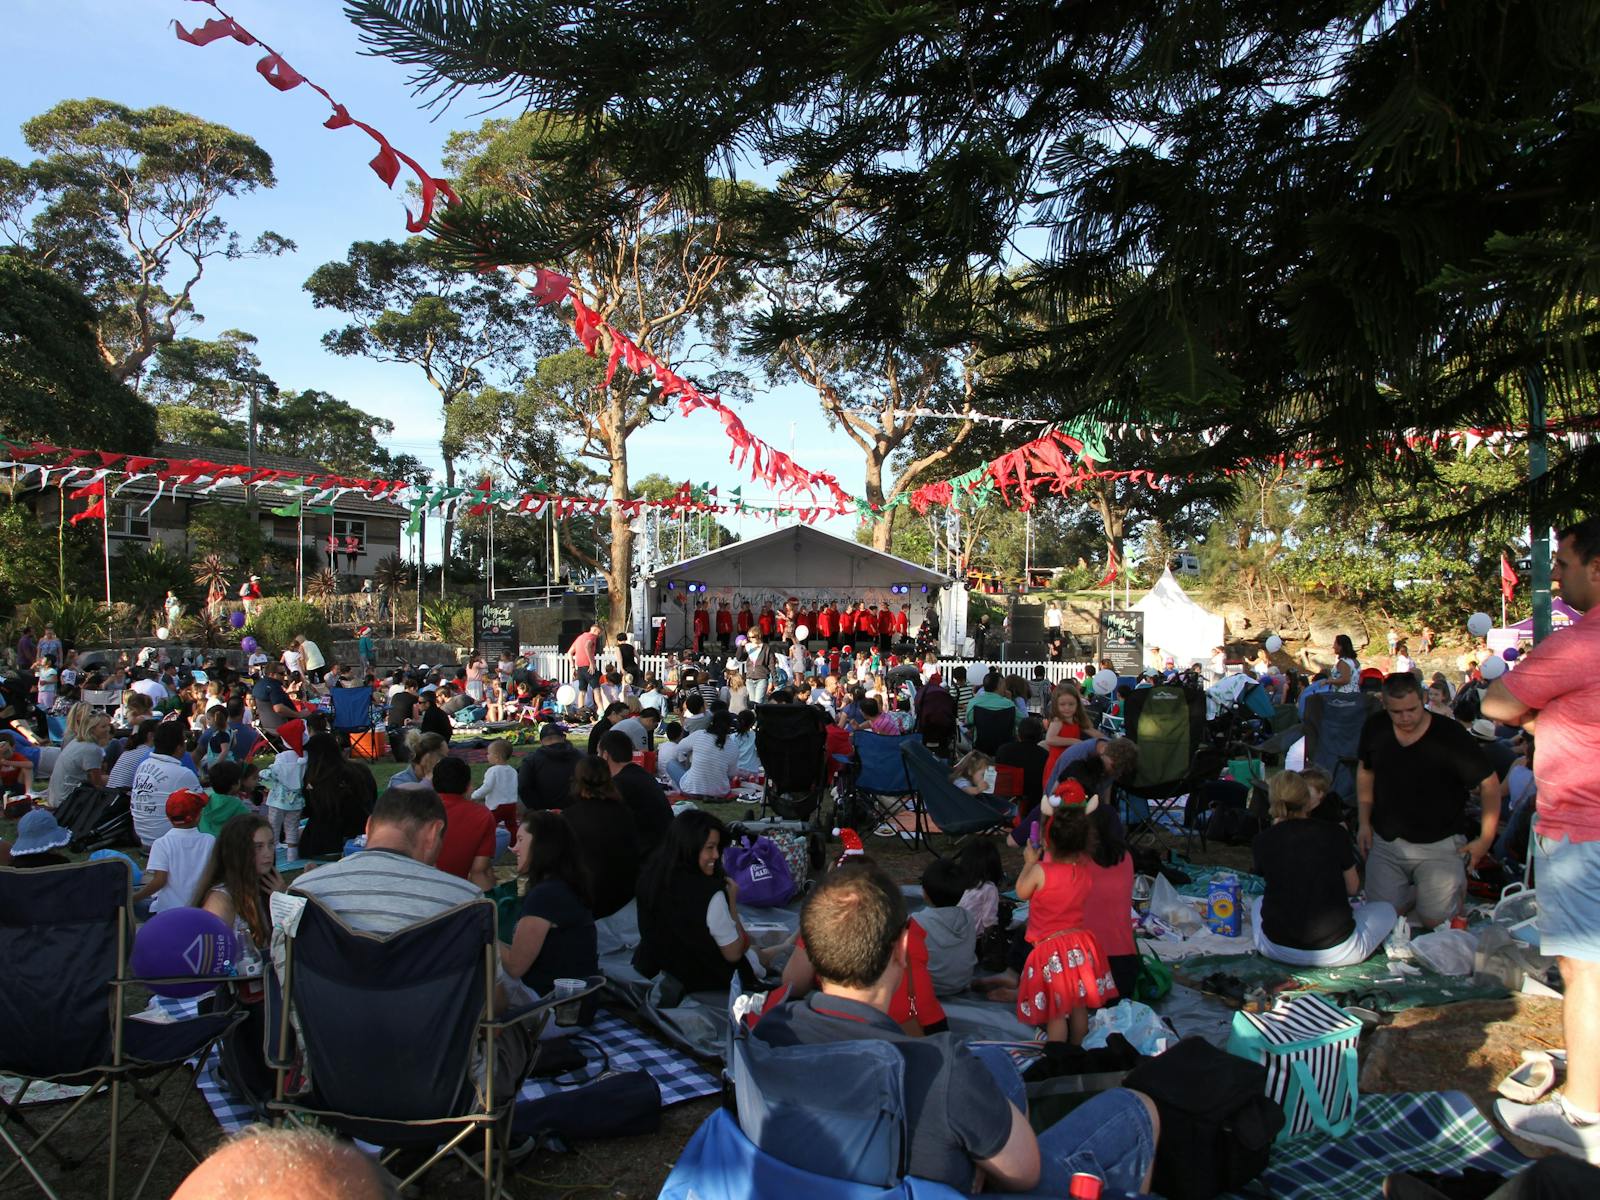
(1084, 1186)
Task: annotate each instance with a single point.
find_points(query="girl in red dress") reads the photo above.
(1068, 724)
(1066, 974)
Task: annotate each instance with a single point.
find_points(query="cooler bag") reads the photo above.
(761, 871)
(1308, 1046)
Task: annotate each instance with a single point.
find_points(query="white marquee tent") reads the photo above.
(1182, 628)
(796, 561)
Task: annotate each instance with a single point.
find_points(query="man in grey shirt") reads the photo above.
(393, 884)
(640, 729)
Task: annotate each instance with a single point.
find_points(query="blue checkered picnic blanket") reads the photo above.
(1400, 1131)
(626, 1048)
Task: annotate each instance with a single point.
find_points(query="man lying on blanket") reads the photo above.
(964, 1130)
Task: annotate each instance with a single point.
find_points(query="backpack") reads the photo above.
(1217, 1122)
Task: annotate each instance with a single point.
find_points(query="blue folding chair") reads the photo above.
(958, 814)
(65, 937)
(352, 709)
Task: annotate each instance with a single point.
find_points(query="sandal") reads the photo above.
(1529, 1082)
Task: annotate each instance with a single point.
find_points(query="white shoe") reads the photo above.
(1548, 1124)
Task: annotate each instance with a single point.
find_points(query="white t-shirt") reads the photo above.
(668, 752)
(258, 659)
(719, 921)
(311, 654)
(1052, 617)
(158, 776)
(152, 688)
(1403, 664)
(292, 662)
(183, 854)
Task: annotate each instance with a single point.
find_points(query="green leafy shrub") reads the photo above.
(143, 575)
(449, 620)
(274, 622)
(77, 620)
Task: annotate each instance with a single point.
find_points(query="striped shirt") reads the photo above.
(382, 891)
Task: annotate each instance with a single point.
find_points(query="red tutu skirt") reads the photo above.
(1064, 971)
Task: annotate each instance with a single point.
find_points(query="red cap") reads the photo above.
(184, 805)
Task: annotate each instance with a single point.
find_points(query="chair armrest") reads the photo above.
(168, 981)
(542, 1007)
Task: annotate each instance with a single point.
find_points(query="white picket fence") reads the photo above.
(550, 663)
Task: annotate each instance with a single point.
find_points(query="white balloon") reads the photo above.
(1105, 681)
(1479, 624)
(566, 693)
(163, 633)
(1274, 644)
(1492, 667)
(801, 633)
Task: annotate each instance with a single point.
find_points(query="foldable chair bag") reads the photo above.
(371, 744)
(97, 818)
(1308, 1046)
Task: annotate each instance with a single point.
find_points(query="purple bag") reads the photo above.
(761, 871)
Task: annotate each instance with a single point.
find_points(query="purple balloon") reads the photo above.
(740, 640)
(237, 619)
(183, 941)
(248, 644)
(1510, 653)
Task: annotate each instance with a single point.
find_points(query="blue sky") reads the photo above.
(326, 198)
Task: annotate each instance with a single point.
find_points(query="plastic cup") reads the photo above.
(568, 1014)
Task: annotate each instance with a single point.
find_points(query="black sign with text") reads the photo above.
(495, 629)
(1122, 640)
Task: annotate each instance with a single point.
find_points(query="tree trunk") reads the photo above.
(619, 574)
(449, 523)
(883, 529)
(1112, 520)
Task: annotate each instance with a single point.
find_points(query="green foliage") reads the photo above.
(448, 620)
(217, 375)
(143, 574)
(53, 383)
(77, 620)
(1280, 226)
(316, 425)
(124, 202)
(228, 532)
(28, 563)
(274, 622)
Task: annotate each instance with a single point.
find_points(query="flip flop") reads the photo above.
(1530, 1081)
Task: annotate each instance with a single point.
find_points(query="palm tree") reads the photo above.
(211, 573)
(390, 577)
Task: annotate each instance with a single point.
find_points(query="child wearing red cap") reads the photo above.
(178, 857)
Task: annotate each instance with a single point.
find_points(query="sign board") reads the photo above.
(495, 629)
(1122, 639)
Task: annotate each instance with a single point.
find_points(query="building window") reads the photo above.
(126, 522)
(346, 528)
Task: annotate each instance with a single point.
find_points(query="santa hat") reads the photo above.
(293, 734)
(853, 848)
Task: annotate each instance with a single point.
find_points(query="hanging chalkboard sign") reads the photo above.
(495, 629)
(1122, 639)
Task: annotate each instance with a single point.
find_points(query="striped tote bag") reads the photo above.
(1308, 1046)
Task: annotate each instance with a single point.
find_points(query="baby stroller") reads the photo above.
(792, 744)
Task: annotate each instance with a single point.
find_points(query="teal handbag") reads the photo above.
(1308, 1046)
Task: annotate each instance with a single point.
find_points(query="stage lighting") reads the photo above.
(924, 589)
(672, 585)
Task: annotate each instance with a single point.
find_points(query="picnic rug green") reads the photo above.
(1441, 1132)
(1378, 988)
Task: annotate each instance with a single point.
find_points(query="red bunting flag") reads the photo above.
(1508, 580)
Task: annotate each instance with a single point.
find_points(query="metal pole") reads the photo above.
(422, 554)
(491, 553)
(300, 553)
(105, 542)
(250, 450)
(1027, 549)
(1538, 507)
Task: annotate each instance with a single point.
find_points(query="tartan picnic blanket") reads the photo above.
(626, 1048)
(1441, 1132)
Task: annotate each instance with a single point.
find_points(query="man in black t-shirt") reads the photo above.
(643, 797)
(1417, 771)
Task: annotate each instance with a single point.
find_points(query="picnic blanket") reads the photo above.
(1390, 992)
(1201, 876)
(626, 1048)
(1401, 1131)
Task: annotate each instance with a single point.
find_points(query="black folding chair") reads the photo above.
(1334, 721)
(992, 728)
(65, 935)
(958, 814)
(792, 745)
(389, 1027)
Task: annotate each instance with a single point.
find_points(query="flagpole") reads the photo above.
(300, 552)
(105, 541)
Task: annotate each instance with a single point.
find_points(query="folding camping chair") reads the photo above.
(1333, 724)
(398, 1072)
(352, 712)
(991, 728)
(792, 745)
(65, 936)
(1167, 722)
(876, 778)
(961, 815)
(106, 701)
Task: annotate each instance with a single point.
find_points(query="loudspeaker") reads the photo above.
(1024, 652)
(1027, 624)
(570, 629)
